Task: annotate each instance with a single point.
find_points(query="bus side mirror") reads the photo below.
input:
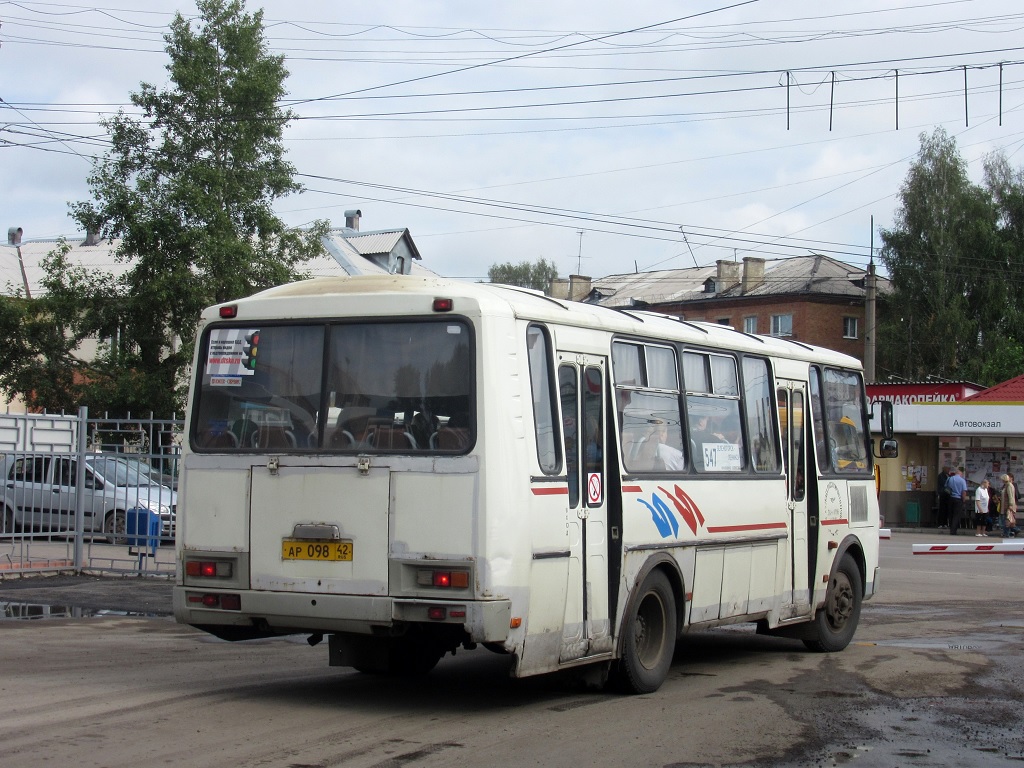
(885, 417)
(887, 449)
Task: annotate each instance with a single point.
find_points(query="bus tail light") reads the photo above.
(443, 578)
(443, 305)
(208, 569)
(442, 612)
(223, 602)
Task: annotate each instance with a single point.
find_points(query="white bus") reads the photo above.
(410, 466)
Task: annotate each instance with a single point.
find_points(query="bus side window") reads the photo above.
(757, 401)
(713, 412)
(818, 419)
(538, 348)
(647, 400)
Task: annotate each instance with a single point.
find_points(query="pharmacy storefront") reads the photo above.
(940, 423)
(985, 440)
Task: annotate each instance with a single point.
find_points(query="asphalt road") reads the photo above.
(932, 679)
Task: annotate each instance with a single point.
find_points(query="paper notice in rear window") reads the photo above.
(233, 352)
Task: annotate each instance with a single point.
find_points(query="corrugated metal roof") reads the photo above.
(349, 253)
(33, 252)
(352, 251)
(375, 243)
(812, 274)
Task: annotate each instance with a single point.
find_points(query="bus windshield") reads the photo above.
(384, 386)
(847, 433)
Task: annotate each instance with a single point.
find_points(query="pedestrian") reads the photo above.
(981, 509)
(1008, 505)
(942, 508)
(993, 510)
(956, 487)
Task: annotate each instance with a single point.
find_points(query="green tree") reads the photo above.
(947, 263)
(537, 275)
(187, 189)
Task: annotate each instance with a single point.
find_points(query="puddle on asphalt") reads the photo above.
(31, 611)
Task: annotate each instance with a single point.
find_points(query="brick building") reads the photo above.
(814, 299)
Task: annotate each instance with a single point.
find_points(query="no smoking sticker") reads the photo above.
(594, 492)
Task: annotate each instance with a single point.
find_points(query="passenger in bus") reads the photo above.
(666, 455)
(422, 427)
(704, 431)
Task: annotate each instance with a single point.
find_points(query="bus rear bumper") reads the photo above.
(484, 621)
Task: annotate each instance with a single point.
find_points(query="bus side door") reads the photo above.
(792, 398)
(586, 628)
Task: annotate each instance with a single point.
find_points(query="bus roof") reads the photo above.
(318, 297)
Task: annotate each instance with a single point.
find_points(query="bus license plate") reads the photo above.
(306, 549)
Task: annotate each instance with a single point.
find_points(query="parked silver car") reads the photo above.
(39, 493)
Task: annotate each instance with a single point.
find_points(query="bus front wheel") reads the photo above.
(649, 637)
(836, 622)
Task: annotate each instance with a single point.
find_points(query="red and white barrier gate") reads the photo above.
(978, 548)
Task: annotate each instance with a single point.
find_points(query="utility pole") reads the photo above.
(14, 235)
(870, 292)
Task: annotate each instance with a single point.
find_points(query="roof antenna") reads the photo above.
(688, 246)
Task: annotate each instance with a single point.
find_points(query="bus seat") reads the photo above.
(218, 439)
(392, 437)
(342, 438)
(275, 437)
(245, 432)
(452, 438)
(645, 454)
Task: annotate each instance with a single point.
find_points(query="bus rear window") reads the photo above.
(359, 387)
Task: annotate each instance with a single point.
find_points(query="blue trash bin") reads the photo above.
(142, 527)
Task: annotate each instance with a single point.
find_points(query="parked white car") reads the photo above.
(39, 493)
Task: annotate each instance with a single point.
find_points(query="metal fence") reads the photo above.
(85, 494)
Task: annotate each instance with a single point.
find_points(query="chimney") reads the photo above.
(728, 275)
(92, 237)
(352, 219)
(559, 288)
(579, 287)
(14, 235)
(753, 273)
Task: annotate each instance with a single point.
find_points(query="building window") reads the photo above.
(782, 325)
(750, 324)
(723, 321)
(849, 327)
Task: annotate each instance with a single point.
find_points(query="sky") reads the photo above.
(605, 137)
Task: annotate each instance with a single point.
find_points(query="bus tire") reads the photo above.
(649, 637)
(836, 622)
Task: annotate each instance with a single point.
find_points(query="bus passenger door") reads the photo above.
(792, 397)
(586, 628)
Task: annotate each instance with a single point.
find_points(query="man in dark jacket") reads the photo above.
(942, 508)
(957, 487)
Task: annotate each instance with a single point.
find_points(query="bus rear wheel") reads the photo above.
(649, 638)
(836, 622)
